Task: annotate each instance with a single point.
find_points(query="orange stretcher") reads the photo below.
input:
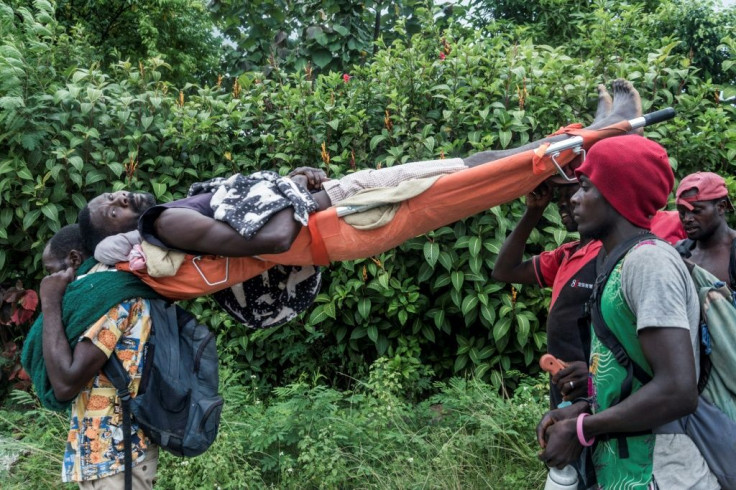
(328, 238)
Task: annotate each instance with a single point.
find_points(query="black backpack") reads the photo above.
(177, 405)
(712, 431)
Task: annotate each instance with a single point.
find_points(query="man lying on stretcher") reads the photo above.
(272, 227)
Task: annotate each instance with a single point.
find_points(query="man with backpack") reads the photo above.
(159, 388)
(702, 202)
(94, 455)
(645, 314)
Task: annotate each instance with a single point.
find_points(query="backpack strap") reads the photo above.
(604, 266)
(117, 375)
(684, 247)
(732, 267)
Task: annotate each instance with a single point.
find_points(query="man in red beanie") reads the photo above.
(649, 303)
(702, 202)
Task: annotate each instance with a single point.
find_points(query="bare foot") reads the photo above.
(605, 103)
(626, 105)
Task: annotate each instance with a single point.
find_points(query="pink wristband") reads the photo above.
(581, 436)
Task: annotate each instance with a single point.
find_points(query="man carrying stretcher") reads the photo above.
(224, 247)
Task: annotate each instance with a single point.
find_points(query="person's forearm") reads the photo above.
(672, 393)
(188, 230)
(651, 406)
(508, 264)
(56, 350)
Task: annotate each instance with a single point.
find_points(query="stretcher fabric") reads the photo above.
(328, 238)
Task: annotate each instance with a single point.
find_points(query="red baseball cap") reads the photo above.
(707, 186)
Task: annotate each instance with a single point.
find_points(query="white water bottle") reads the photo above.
(564, 479)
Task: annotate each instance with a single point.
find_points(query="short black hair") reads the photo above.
(91, 234)
(65, 240)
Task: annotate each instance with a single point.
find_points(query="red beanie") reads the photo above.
(632, 173)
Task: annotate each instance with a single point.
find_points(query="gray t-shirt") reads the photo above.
(658, 289)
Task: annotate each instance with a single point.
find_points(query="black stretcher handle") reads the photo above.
(659, 116)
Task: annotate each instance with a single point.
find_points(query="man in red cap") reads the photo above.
(702, 202)
(650, 305)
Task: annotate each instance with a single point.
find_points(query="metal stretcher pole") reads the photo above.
(575, 143)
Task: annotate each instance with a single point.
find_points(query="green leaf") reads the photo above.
(318, 315)
(429, 143)
(382, 345)
(458, 277)
(383, 280)
(431, 253)
(504, 137)
(439, 318)
(372, 333)
(30, 218)
(428, 333)
(364, 308)
(469, 303)
(159, 189)
(321, 57)
(50, 211)
(25, 174)
(343, 31)
(474, 246)
(501, 328)
(403, 317)
(522, 332)
(376, 140)
(446, 260)
(460, 363)
(330, 310)
(488, 313)
(442, 281)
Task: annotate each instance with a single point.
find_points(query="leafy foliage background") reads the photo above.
(77, 120)
(157, 95)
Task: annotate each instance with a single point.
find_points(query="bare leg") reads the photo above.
(626, 104)
(605, 104)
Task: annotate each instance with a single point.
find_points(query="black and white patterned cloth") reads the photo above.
(246, 203)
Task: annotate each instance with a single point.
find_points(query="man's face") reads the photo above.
(703, 220)
(118, 212)
(52, 263)
(564, 194)
(593, 214)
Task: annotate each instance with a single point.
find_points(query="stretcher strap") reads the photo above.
(568, 129)
(318, 248)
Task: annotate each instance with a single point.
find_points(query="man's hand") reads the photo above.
(54, 285)
(562, 447)
(539, 197)
(572, 381)
(558, 415)
(309, 177)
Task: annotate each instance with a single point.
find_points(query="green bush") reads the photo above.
(71, 130)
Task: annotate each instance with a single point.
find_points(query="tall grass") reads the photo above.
(465, 435)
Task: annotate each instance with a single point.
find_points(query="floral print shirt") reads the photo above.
(94, 447)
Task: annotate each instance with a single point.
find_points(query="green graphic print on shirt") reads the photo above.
(607, 376)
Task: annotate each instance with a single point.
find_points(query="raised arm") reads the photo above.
(509, 265)
(186, 229)
(68, 370)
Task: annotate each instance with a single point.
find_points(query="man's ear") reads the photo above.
(75, 259)
(722, 207)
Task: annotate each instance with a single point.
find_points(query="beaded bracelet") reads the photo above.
(581, 436)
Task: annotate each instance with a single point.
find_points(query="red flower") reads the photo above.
(346, 78)
(442, 55)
